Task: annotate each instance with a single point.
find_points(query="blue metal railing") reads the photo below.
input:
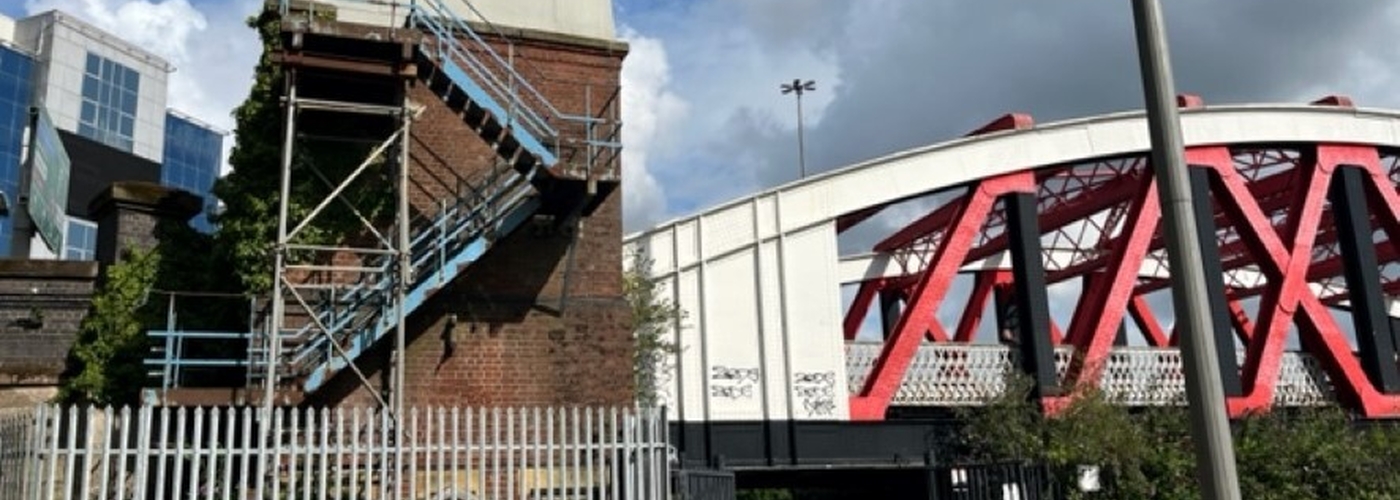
(457, 235)
(177, 347)
(361, 312)
(482, 82)
(495, 83)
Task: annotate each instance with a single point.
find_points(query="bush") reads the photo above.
(107, 363)
(1148, 453)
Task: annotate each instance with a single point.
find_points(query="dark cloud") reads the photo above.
(915, 72)
(1059, 60)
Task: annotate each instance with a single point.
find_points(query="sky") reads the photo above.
(705, 121)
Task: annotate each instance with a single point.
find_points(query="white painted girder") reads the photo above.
(759, 277)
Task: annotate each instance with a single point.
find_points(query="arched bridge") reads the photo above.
(1039, 249)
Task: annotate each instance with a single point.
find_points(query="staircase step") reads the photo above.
(479, 97)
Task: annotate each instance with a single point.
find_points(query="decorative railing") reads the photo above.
(968, 375)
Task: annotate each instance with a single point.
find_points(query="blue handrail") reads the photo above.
(498, 85)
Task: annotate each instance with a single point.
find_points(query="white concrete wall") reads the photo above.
(7, 30)
(760, 307)
(62, 43)
(584, 18)
(39, 249)
(26, 33)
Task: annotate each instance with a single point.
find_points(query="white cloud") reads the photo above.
(649, 109)
(209, 45)
(163, 28)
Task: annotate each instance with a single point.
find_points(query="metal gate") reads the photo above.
(16, 429)
(693, 484)
(996, 481)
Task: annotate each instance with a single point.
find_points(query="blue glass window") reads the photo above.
(193, 153)
(110, 93)
(15, 69)
(81, 241)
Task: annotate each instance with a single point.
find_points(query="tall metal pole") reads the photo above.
(401, 291)
(801, 146)
(798, 86)
(1210, 426)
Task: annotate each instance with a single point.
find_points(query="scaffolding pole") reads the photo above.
(404, 274)
(396, 250)
(273, 328)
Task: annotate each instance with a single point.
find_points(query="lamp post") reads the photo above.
(798, 87)
(1215, 455)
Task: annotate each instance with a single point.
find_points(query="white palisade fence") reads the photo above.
(15, 452)
(68, 453)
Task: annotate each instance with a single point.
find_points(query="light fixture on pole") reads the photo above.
(799, 87)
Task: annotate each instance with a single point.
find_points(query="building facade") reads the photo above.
(15, 70)
(93, 110)
(193, 152)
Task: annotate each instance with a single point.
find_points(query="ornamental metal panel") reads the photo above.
(951, 375)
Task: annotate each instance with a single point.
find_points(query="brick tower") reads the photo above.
(510, 288)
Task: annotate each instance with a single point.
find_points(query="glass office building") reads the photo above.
(106, 102)
(109, 102)
(192, 156)
(15, 69)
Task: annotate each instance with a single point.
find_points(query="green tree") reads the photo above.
(1312, 453)
(1134, 452)
(249, 221)
(653, 318)
(1289, 453)
(106, 364)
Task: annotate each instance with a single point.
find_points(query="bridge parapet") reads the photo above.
(953, 375)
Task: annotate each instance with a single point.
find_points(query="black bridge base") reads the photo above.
(805, 444)
(910, 458)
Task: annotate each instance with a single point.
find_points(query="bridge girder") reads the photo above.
(1276, 234)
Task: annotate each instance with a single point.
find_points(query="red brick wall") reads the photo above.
(522, 326)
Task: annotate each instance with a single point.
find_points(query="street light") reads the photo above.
(798, 87)
(1205, 394)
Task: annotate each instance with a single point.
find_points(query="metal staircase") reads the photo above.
(494, 99)
(349, 318)
(340, 320)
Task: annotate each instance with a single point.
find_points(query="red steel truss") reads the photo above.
(1100, 225)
